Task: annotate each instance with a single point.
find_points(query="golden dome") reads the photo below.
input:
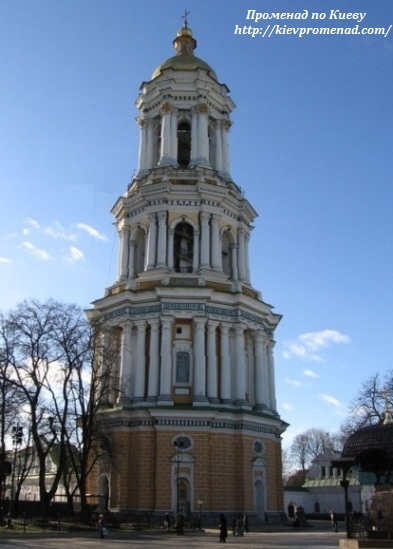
(184, 60)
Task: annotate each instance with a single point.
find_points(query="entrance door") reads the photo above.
(259, 494)
(184, 498)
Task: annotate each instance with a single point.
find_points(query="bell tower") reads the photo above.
(191, 411)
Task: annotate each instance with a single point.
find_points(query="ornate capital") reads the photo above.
(202, 108)
(165, 108)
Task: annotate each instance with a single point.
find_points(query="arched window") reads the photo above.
(183, 144)
(226, 254)
(140, 245)
(183, 246)
(182, 367)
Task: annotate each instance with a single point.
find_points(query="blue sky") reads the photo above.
(311, 145)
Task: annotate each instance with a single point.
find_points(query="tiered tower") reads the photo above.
(191, 413)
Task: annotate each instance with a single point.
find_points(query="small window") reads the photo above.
(182, 367)
(178, 330)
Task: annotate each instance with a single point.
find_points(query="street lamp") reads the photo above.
(200, 503)
(178, 444)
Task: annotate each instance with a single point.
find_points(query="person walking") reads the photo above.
(333, 518)
(234, 525)
(223, 528)
(180, 524)
(245, 523)
(101, 526)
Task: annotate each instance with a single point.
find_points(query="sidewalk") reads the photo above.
(313, 537)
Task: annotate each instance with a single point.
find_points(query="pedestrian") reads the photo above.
(223, 528)
(167, 522)
(239, 526)
(102, 526)
(234, 525)
(180, 524)
(245, 523)
(296, 520)
(333, 518)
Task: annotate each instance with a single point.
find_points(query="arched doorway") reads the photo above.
(259, 495)
(184, 498)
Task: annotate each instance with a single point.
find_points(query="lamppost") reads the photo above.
(200, 503)
(17, 437)
(178, 444)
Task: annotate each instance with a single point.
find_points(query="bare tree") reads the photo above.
(374, 398)
(299, 451)
(11, 400)
(309, 445)
(86, 443)
(51, 359)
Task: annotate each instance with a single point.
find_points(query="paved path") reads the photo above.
(285, 539)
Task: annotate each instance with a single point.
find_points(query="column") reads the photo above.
(165, 395)
(154, 361)
(203, 135)
(240, 376)
(140, 370)
(233, 249)
(123, 253)
(216, 258)
(151, 242)
(162, 238)
(271, 374)
(212, 372)
(194, 136)
(171, 234)
(261, 377)
(205, 241)
(174, 134)
(247, 241)
(105, 372)
(195, 257)
(218, 155)
(241, 258)
(165, 152)
(225, 146)
(199, 361)
(225, 372)
(131, 260)
(125, 365)
(150, 144)
(250, 369)
(142, 144)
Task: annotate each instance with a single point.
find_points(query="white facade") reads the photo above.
(190, 324)
(322, 491)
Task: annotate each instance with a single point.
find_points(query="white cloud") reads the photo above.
(75, 254)
(36, 252)
(293, 382)
(310, 373)
(330, 400)
(287, 406)
(57, 231)
(91, 231)
(33, 223)
(4, 260)
(308, 345)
